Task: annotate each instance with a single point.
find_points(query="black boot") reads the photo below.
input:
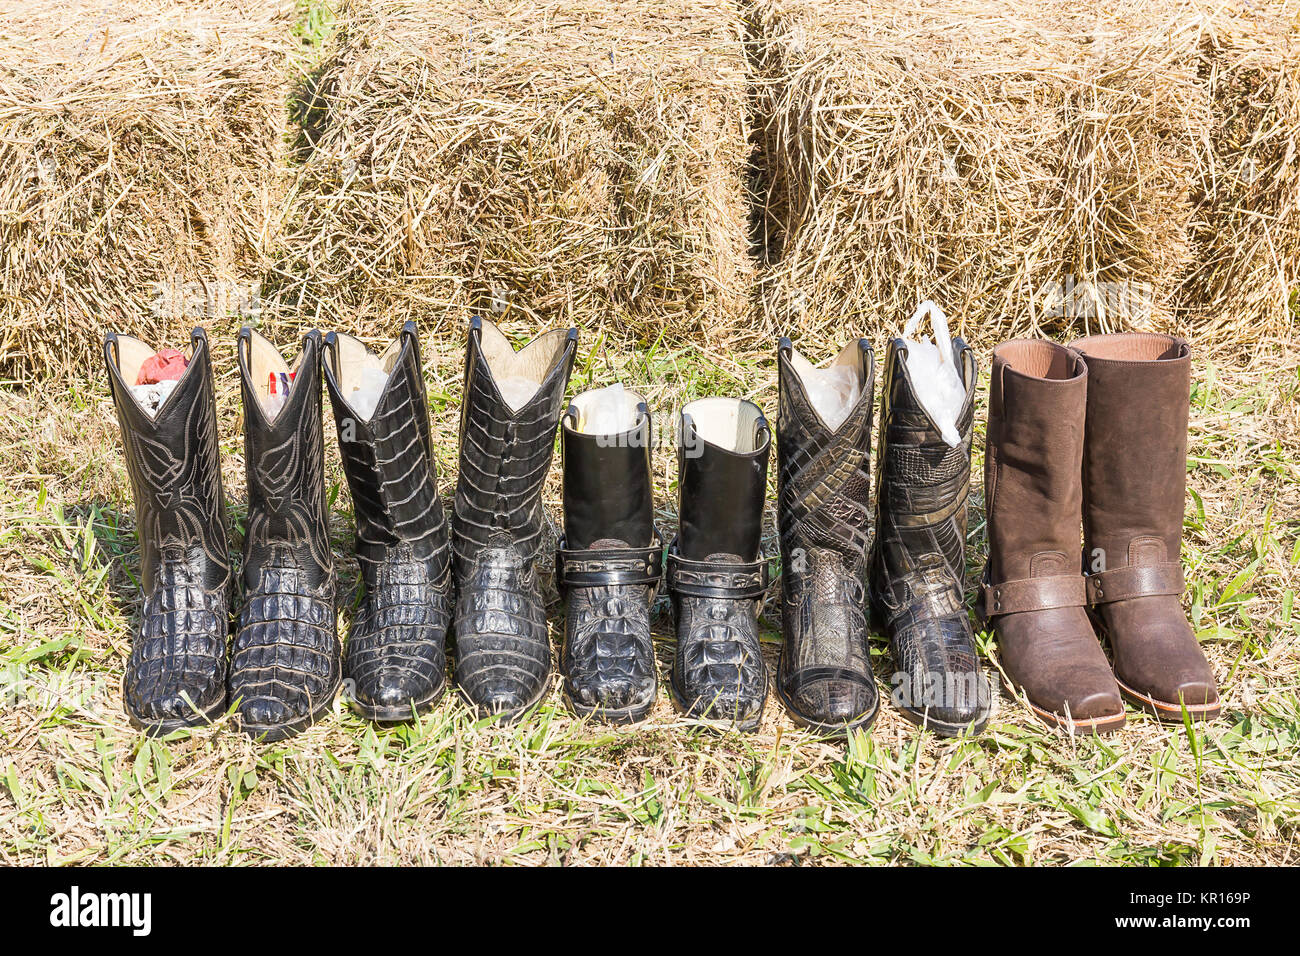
(717, 576)
(824, 510)
(176, 675)
(503, 652)
(396, 661)
(609, 562)
(284, 668)
(918, 561)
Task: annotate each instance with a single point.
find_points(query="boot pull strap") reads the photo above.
(609, 567)
(714, 579)
(1121, 584)
(1034, 594)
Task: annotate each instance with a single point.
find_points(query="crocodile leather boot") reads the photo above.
(609, 562)
(395, 662)
(507, 437)
(717, 576)
(176, 674)
(918, 556)
(1138, 388)
(284, 667)
(1033, 589)
(823, 509)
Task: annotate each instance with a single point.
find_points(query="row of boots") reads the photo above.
(475, 577)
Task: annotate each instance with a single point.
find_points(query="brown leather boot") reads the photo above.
(1034, 590)
(1134, 481)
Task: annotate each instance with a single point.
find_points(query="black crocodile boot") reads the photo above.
(395, 662)
(176, 674)
(717, 576)
(284, 667)
(918, 561)
(503, 651)
(824, 511)
(609, 562)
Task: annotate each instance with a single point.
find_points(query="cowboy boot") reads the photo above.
(176, 674)
(918, 556)
(609, 561)
(1138, 388)
(284, 666)
(507, 437)
(1033, 590)
(395, 660)
(716, 573)
(823, 507)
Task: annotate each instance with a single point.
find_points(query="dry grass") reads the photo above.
(558, 161)
(995, 155)
(140, 168)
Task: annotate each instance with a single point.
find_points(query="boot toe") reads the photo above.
(262, 713)
(1097, 705)
(835, 702)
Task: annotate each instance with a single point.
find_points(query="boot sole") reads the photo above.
(272, 733)
(615, 715)
(719, 724)
(1164, 710)
(400, 713)
(837, 730)
(1092, 725)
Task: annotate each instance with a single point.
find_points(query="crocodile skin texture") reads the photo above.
(395, 661)
(284, 667)
(175, 675)
(503, 652)
(718, 672)
(823, 509)
(608, 661)
(918, 556)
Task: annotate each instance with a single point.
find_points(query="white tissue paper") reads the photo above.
(935, 379)
(833, 392)
(517, 390)
(367, 391)
(151, 397)
(607, 412)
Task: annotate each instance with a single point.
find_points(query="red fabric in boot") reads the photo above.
(167, 365)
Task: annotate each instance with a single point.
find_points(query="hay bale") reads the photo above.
(552, 161)
(1246, 231)
(1025, 165)
(139, 183)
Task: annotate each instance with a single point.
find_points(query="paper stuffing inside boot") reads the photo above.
(606, 411)
(361, 374)
(132, 354)
(833, 391)
(729, 423)
(518, 375)
(271, 377)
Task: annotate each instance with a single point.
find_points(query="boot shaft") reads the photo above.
(607, 477)
(1135, 451)
(722, 478)
(174, 465)
(388, 454)
(1037, 402)
(922, 481)
(506, 451)
(824, 473)
(284, 460)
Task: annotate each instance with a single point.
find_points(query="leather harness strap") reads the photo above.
(609, 567)
(1121, 584)
(1035, 594)
(714, 579)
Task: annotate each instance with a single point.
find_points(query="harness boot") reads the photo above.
(284, 667)
(918, 557)
(716, 573)
(395, 661)
(1134, 482)
(823, 509)
(610, 559)
(1033, 590)
(507, 437)
(176, 674)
